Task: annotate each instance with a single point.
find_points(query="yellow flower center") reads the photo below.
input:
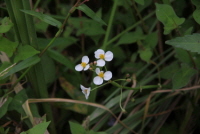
(83, 64)
(101, 74)
(101, 56)
(85, 91)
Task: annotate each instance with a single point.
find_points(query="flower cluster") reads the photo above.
(101, 57)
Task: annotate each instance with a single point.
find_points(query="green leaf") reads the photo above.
(22, 65)
(77, 128)
(84, 8)
(141, 2)
(4, 102)
(188, 42)
(88, 27)
(151, 40)
(93, 132)
(7, 46)
(196, 3)
(6, 25)
(196, 15)
(182, 77)
(131, 37)
(146, 54)
(46, 18)
(18, 101)
(38, 129)
(24, 52)
(49, 69)
(183, 56)
(169, 71)
(60, 58)
(167, 16)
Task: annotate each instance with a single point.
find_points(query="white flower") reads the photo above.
(98, 80)
(84, 65)
(86, 91)
(102, 56)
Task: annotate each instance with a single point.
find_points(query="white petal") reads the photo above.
(98, 52)
(82, 87)
(78, 67)
(85, 59)
(108, 56)
(97, 71)
(87, 67)
(97, 80)
(88, 93)
(101, 63)
(107, 75)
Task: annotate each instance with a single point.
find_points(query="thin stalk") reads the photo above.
(140, 17)
(128, 29)
(105, 44)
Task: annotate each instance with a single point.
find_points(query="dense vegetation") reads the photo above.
(99, 66)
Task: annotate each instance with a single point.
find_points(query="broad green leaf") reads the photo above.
(169, 71)
(77, 128)
(21, 65)
(151, 40)
(7, 46)
(141, 2)
(38, 129)
(24, 52)
(188, 42)
(60, 58)
(196, 15)
(4, 103)
(183, 56)
(131, 37)
(6, 25)
(182, 77)
(46, 18)
(167, 16)
(146, 54)
(84, 8)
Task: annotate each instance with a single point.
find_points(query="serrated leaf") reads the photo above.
(61, 59)
(165, 14)
(188, 42)
(46, 18)
(146, 54)
(6, 25)
(84, 8)
(7, 46)
(22, 65)
(182, 77)
(141, 2)
(77, 128)
(24, 52)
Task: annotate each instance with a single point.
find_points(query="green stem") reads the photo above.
(128, 29)
(105, 44)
